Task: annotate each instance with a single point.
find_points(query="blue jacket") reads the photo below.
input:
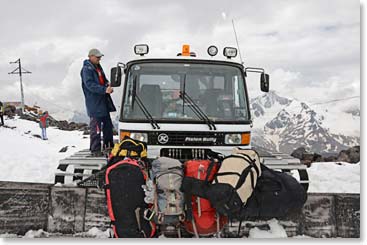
(98, 103)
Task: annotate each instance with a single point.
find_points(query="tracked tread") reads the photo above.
(75, 166)
(82, 160)
(304, 179)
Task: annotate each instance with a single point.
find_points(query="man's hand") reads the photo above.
(109, 90)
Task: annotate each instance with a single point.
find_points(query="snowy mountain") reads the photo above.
(283, 124)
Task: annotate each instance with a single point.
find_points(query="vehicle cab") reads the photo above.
(185, 106)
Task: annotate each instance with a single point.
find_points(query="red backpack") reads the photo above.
(205, 220)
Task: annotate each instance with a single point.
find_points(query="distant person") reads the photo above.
(97, 90)
(2, 112)
(43, 122)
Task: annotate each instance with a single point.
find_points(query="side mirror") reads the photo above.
(264, 82)
(116, 74)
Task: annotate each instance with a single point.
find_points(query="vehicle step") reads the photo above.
(72, 174)
(287, 166)
(83, 161)
(63, 167)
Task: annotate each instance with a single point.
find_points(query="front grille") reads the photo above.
(188, 138)
(184, 154)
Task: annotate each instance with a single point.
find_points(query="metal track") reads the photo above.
(285, 163)
(78, 167)
(81, 167)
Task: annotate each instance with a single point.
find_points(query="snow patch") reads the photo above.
(36, 234)
(97, 233)
(276, 231)
(330, 177)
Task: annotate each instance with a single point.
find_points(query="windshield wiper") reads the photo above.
(196, 109)
(144, 109)
(198, 112)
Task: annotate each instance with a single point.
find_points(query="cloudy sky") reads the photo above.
(311, 49)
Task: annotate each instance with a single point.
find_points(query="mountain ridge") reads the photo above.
(284, 124)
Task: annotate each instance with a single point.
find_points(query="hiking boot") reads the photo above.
(97, 154)
(107, 150)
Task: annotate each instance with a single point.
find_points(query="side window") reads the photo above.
(236, 91)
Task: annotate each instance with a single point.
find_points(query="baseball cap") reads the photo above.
(95, 52)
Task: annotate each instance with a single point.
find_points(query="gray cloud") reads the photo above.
(309, 47)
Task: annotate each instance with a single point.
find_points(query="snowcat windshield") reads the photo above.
(218, 90)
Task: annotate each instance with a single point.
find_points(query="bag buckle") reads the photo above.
(149, 214)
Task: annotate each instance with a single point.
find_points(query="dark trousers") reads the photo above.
(2, 119)
(98, 125)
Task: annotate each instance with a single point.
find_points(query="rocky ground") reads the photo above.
(351, 155)
(31, 115)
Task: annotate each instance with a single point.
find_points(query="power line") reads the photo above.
(336, 100)
(319, 103)
(19, 70)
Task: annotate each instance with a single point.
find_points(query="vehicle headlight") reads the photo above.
(237, 139)
(232, 139)
(212, 50)
(141, 49)
(230, 52)
(139, 136)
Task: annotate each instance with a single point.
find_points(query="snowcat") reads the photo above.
(183, 107)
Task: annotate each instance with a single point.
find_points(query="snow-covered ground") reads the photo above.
(26, 158)
(338, 177)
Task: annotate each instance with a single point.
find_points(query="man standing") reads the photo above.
(98, 101)
(2, 112)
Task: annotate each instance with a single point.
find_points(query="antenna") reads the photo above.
(238, 46)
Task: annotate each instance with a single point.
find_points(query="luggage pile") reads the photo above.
(147, 198)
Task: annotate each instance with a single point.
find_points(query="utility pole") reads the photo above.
(20, 71)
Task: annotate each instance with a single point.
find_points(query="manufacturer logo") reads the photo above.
(200, 139)
(163, 138)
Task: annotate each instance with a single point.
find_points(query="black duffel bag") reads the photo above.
(276, 195)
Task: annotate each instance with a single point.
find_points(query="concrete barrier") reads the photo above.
(68, 210)
(23, 206)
